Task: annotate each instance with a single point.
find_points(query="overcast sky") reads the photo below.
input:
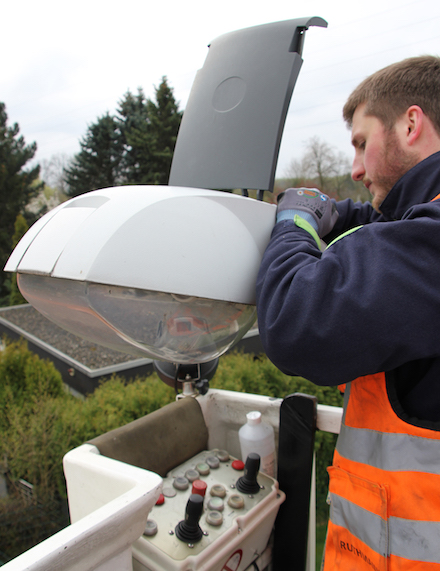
(65, 63)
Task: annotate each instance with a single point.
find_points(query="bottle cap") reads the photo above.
(253, 417)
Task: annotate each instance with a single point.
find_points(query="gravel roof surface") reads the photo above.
(89, 354)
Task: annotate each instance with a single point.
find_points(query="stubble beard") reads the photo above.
(395, 163)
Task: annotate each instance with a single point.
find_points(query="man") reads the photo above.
(365, 311)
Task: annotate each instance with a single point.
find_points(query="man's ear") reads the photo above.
(414, 118)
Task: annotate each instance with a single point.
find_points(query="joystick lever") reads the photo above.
(248, 484)
(188, 530)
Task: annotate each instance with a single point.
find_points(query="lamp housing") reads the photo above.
(158, 271)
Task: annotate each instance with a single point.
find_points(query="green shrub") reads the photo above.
(25, 378)
(115, 404)
(35, 444)
(40, 421)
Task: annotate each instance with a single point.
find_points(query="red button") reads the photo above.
(160, 500)
(199, 487)
(238, 465)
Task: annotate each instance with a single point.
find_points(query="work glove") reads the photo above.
(309, 204)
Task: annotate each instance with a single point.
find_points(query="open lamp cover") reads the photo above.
(154, 271)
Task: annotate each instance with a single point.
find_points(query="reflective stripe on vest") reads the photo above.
(382, 450)
(399, 537)
(384, 487)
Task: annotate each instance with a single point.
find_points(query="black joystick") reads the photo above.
(188, 530)
(248, 484)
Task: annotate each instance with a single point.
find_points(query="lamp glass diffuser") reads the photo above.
(163, 326)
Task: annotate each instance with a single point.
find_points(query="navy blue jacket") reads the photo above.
(369, 303)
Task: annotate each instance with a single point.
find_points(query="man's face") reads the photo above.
(381, 158)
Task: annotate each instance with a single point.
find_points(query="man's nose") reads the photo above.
(357, 169)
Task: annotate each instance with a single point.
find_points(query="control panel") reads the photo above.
(215, 513)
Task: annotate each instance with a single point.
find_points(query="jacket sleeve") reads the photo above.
(352, 214)
(368, 303)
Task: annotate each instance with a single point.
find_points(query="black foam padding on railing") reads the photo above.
(295, 460)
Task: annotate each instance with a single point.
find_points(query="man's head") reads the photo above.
(395, 119)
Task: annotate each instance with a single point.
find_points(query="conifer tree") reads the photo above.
(149, 129)
(134, 124)
(20, 229)
(97, 165)
(165, 119)
(17, 187)
(133, 147)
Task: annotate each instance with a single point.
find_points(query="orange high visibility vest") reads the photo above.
(384, 487)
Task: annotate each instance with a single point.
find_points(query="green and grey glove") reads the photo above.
(310, 205)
